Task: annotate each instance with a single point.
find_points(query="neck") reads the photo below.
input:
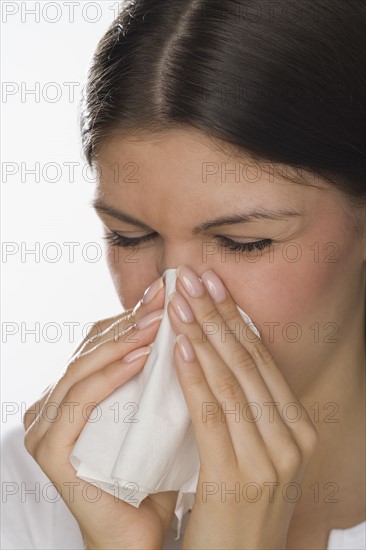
(333, 486)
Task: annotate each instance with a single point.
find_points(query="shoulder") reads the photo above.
(33, 513)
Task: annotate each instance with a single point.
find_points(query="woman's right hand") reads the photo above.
(94, 371)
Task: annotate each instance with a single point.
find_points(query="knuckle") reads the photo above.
(41, 454)
(231, 315)
(214, 418)
(105, 379)
(211, 315)
(309, 440)
(227, 386)
(120, 323)
(267, 475)
(72, 369)
(290, 459)
(27, 420)
(51, 412)
(112, 329)
(31, 414)
(261, 354)
(95, 332)
(100, 328)
(73, 393)
(242, 360)
(193, 380)
(28, 442)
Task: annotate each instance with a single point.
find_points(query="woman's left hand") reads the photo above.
(248, 454)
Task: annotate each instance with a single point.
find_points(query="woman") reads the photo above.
(229, 144)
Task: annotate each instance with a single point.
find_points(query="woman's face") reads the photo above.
(303, 292)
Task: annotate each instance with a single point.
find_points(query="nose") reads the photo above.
(177, 254)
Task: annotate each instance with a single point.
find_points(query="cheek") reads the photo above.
(285, 292)
(294, 293)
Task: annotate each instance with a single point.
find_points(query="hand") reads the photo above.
(95, 370)
(221, 375)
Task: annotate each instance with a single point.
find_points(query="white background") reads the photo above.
(43, 128)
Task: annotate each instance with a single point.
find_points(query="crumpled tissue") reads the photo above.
(142, 440)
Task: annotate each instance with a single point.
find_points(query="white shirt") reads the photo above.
(34, 516)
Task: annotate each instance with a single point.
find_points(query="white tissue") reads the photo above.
(140, 440)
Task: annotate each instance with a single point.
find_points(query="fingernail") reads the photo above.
(181, 307)
(190, 281)
(136, 354)
(185, 348)
(152, 290)
(214, 286)
(150, 318)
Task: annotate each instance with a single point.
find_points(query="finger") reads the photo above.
(103, 331)
(263, 381)
(108, 345)
(62, 434)
(96, 332)
(32, 413)
(107, 353)
(300, 425)
(243, 390)
(112, 327)
(246, 440)
(94, 388)
(205, 411)
(100, 327)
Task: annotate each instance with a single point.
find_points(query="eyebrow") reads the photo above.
(245, 217)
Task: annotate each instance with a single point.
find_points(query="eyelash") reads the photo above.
(118, 240)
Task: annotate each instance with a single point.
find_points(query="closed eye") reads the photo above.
(114, 239)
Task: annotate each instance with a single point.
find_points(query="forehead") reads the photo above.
(188, 167)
